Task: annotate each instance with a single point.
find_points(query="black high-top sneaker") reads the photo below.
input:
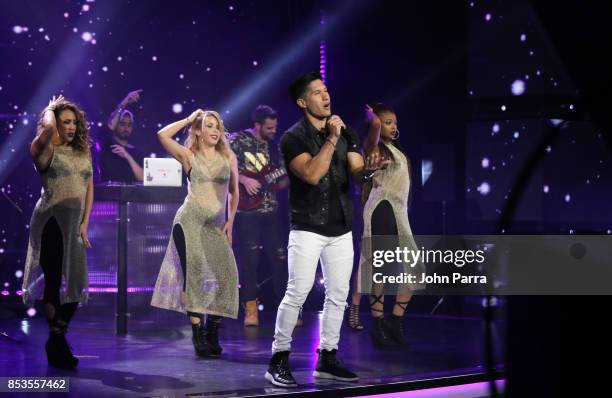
(212, 335)
(278, 372)
(330, 367)
(200, 343)
(59, 354)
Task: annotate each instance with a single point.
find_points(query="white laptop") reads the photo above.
(162, 172)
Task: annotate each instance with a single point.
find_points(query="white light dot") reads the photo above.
(6, 284)
(85, 7)
(17, 29)
(105, 68)
(556, 122)
(2, 250)
(93, 41)
(548, 149)
(66, 15)
(47, 38)
(119, 58)
(488, 16)
(75, 30)
(609, 231)
(484, 188)
(523, 37)
(181, 76)
(31, 312)
(177, 108)
(41, 30)
(154, 58)
(546, 188)
(25, 122)
(99, 124)
(86, 36)
(503, 108)
(231, 8)
(571, 107)
(254, 63)
(18, 273)
(568, 198)
(495, 128)
(485, 163)
(516, 134)
(260, 307)
(518, 87)
(89, 72)
(208, 69)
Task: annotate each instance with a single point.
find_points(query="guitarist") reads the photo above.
(258, 226)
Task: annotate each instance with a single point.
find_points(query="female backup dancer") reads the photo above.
(385, 213)
(56, 263)
(198, 274)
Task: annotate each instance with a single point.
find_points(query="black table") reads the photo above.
(122, 195)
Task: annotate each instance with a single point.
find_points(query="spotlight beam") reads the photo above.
(290, 53)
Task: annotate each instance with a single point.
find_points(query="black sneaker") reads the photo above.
(330, 367)
(278, 372)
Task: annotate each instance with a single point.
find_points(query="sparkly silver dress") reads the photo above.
(62, 197)
(211, 278)
(391, 184)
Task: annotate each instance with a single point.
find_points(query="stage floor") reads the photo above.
(157, 360)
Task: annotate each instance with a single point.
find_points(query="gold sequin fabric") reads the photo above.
(391, 184)
(64, 187)
(211, 277)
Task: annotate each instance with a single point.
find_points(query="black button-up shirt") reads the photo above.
(324, 208)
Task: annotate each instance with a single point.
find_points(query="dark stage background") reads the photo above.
(475, 85)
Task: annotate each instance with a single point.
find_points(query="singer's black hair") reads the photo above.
(299, 85)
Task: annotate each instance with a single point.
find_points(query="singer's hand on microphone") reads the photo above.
(335, 125)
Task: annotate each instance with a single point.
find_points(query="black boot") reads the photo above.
(329, 367)
(212, 334)
(59, 354)
(380, 334)
(395, 327)
(278, 372)
(200, 342)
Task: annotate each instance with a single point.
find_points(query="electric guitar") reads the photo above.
(268, 178)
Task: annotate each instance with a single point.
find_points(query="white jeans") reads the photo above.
(304, 251)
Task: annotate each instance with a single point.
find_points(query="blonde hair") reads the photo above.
(192, 142)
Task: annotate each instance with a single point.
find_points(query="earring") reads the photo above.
(396, 135)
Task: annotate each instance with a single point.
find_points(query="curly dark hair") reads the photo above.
(81, 141)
